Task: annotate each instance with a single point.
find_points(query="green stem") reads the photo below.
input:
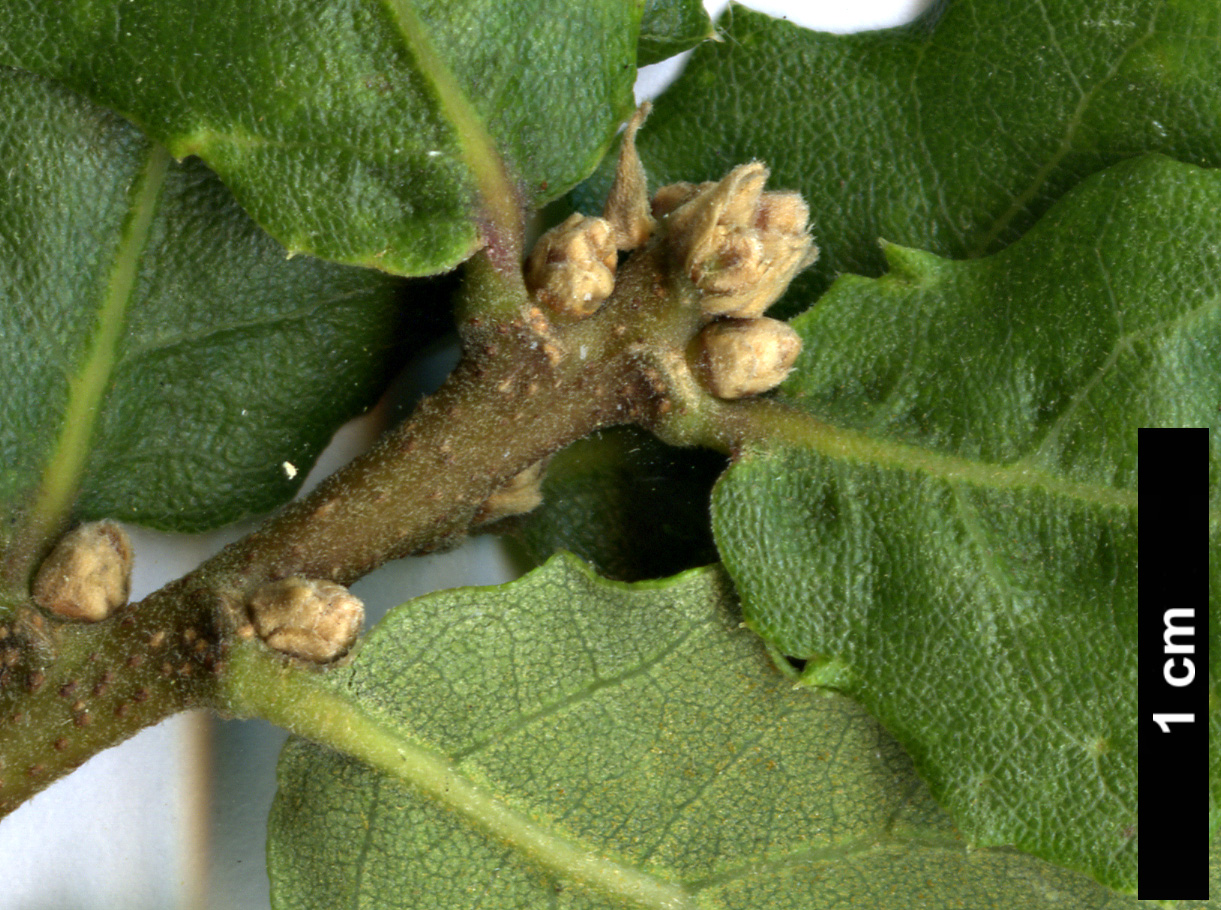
(264, 684)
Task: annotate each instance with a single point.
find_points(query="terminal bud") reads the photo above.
(743, 357)
(87, 576)
(571, 269)
(740, 245)
(314, 620)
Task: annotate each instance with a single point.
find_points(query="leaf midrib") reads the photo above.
(498, 197)
(785, 426)
(87, 387)
(305, 705)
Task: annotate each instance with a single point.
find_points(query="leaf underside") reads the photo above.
(162, 358)
(951, 536)
(640, 727)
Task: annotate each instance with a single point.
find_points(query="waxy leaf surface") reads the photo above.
(630, 746)
(385, 134)
(948, 532)
(161, 356)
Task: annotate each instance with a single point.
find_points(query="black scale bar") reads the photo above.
(1173, 663)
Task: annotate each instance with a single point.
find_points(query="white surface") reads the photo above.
(136, 819)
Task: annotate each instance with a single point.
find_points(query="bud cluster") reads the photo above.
(739, 245)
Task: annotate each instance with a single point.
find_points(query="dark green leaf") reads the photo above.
(670, 27)
(628, 746)
(952, 539)
(161, 355)
(629, 505)
(953, 134)
(364, 132)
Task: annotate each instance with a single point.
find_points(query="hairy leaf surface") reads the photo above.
(952, 134)
(951, 535)
(160, 354)
(361, 131)
(628, 746)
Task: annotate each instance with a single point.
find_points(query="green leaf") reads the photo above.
(161, 355)
(670, 27)
(390, 134)
(566, 741)
(627, 504)
(950, 534)
(953, 134)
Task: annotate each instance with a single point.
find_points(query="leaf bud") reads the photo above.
(87, 576)
(314, 620)
(571, 269)
(740, 245)
(742, 357)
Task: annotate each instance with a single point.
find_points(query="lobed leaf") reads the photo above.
(952, 134)
(163, 360)
(387, 134)
(952, 537)
(625, 746)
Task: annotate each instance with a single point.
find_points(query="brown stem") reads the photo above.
(525, 389)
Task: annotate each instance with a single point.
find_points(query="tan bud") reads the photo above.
(740, 245)
(742, 357)
(672, 196)
(627, 203)
(88, 574)
(522, 493)
(306, 618)
(571, 269)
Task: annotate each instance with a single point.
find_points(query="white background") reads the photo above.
(176, 817)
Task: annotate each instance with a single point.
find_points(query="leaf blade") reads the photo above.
(636, 723)
(939, 135)
(397, 135)
(962, 504)
(131, 288)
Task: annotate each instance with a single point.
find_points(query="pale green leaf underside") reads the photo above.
(953, 134)
(629, 746)
(951, 535)
(162, 358)
(385, 133)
